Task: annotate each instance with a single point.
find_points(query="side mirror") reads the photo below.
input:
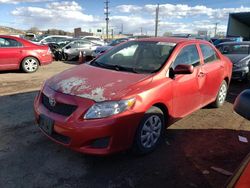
(184, 69)
(242, 104)
(68, 47)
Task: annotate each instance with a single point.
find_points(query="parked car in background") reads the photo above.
(45, 39)
(239, 54)
(100, 50)
(128, 96)
(95, 39)
(17, 53)
(217, 41)
(71, 50)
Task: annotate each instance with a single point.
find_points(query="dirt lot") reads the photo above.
(208, 137)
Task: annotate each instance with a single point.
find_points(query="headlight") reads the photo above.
(106, 109)
(241, 64)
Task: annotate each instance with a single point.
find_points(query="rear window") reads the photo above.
(234, 49)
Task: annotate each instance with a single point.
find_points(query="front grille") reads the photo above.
(59, 108)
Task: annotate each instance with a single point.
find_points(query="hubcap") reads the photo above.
(30, 65)
(222, 93)
(151, 131)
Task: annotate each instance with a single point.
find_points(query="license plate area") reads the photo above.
(46, 124)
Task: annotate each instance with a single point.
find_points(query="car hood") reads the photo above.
(96, 83)
(235, 58)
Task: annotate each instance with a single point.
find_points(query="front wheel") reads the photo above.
(30, 64)
(221, 96)
(150, 131)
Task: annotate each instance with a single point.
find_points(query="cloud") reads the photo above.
(22, 1)
(181, 10)
(128, 8)
(175, 18)
(60, 14)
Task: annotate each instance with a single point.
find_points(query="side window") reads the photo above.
(8, 43)
(208, 53)
(188, 55)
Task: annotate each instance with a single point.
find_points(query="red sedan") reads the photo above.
(128, 96)
(17, 53)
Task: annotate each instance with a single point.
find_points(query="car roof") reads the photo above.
(234, 43)
(176, 40)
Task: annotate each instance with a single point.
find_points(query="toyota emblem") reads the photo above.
(52, 102)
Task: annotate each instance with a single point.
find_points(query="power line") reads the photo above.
(106, 12)
(156, 19)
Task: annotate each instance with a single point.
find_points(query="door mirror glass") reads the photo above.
(242, 104)
(184, 69)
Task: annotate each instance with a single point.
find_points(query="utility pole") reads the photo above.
(106, 12)
(122, 28)
(215, 29)
(156, 20)
(141, 31)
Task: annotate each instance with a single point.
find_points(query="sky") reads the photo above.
(176, 16)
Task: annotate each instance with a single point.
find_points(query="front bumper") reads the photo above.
(240, 73)
(99, 136)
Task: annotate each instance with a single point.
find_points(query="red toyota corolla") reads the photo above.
(129, 95)
(17, 53)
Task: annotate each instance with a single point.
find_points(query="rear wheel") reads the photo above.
(30, 64)
(221, 96)
(150, 131)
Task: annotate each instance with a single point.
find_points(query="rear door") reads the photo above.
(213, 70)
(10, 53)
(186, 88)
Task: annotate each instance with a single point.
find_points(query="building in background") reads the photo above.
(79, 33)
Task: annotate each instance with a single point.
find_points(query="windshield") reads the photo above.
(234, 49)
(136, 56)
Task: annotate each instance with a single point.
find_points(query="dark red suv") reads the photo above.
(128, 96)
(17, 53)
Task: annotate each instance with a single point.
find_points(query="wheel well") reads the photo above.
(164, 109)
(20, 66)
(227, 80)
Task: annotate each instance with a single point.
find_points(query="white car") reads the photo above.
(94, 39)
(43, 39)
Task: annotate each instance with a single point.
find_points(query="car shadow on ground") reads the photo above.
(184, 159)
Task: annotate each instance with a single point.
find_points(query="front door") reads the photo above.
(186, 87)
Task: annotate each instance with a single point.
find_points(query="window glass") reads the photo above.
(188, 55)
(234, 49)
(8, 43)
(208, 53)
(137, 56)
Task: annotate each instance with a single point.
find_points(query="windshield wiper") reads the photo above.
(114, 67)
(121, 68)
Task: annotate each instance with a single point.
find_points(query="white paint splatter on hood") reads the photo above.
(76, 86)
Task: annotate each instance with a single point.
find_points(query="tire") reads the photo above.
(30, 64)
(221, 95)
(150, 131)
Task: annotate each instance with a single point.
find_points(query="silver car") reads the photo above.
(71, 50)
